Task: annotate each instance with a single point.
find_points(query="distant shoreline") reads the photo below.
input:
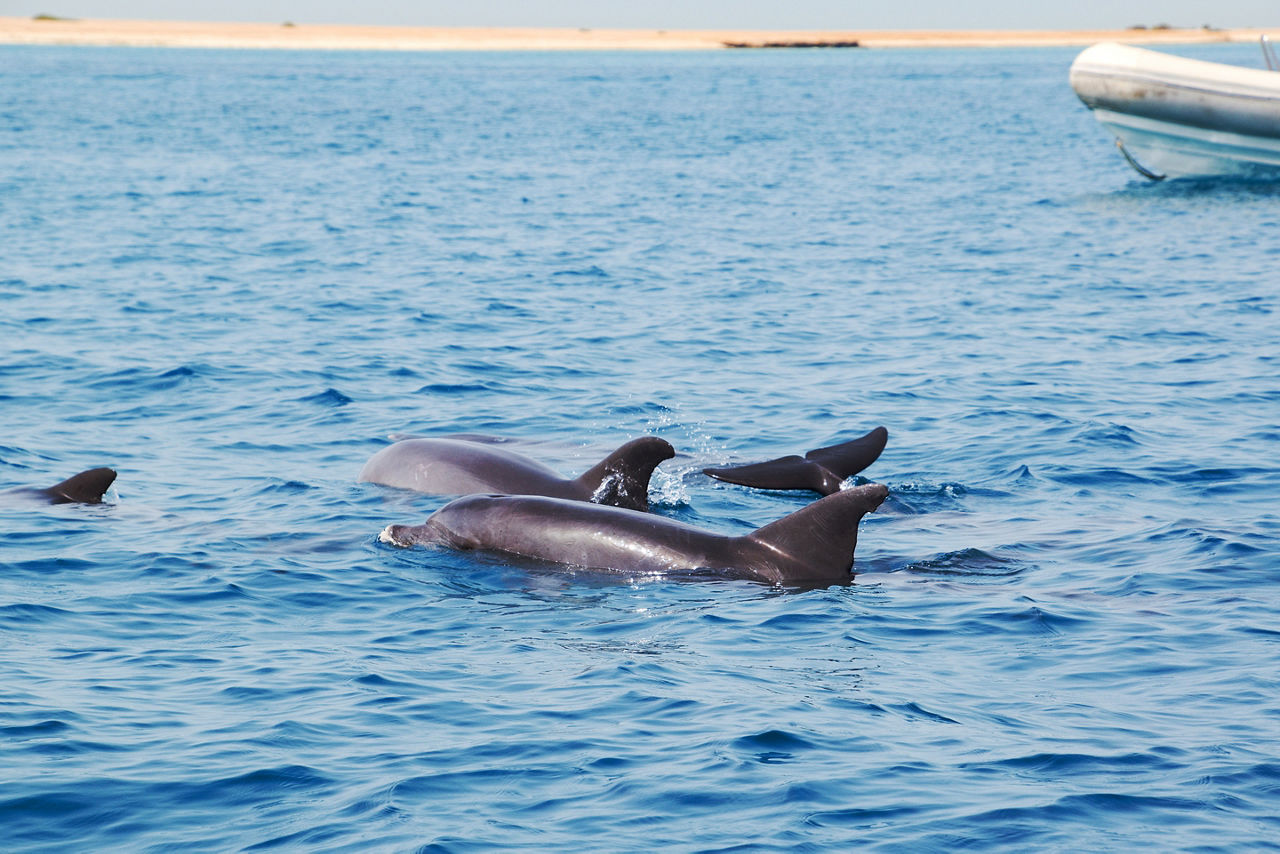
(104, 32)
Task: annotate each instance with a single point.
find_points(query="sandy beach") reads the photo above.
(102, 32)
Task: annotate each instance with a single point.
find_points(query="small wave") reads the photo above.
(922, 497)
(149, 380)
(284, 247)
(284, 487)
(944, 489)
(1097, 807)
(248, 693)
(328, 397)
(868, 817)
(592, 272)
(54, 564)
(260, 783)
(27, 612)
(1036, 618)
(509, 309)
(453, 388)
(374, 680)
(773, 746)
(1109, 435)
(1022, 474)
(425, 789)
(668, 489)
(43, 729)
(1083, 763)
(1264, 775)
(257, 447)
(212, 591)
(794, 621)
(915, 711)
(1212, 549)
(1107, 478)
(969, 562)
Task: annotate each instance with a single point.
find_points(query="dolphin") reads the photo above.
(813, 546)
(821, 470)
(460, 466)
(87, 487)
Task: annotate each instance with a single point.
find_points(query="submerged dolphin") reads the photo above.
(821, 470)
(459, 466)
(814, 545)
(87, 487)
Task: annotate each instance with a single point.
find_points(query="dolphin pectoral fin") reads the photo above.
(793, 472)
(849, 458)
(87, 487)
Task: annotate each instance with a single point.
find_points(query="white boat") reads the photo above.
(1175, 117)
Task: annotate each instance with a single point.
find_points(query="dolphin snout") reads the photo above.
(394, 535)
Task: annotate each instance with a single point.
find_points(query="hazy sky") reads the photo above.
(685, 14)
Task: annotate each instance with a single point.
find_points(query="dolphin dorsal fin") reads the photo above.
(87, 487)
(821, 537)
(849, 458)
(622, 478)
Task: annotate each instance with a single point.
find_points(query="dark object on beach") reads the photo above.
(813, 546)
(851, 43)
(821, 470)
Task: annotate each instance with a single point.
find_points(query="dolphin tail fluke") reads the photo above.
(622, 478)
(87, 487)
(821, 470)
(849, 458)
(822, 536)
(791, 472)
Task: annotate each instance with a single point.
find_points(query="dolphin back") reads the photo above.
(449, 466)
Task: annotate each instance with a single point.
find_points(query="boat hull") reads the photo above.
(1176, 117)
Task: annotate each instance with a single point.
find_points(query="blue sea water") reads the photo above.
(230, 275)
